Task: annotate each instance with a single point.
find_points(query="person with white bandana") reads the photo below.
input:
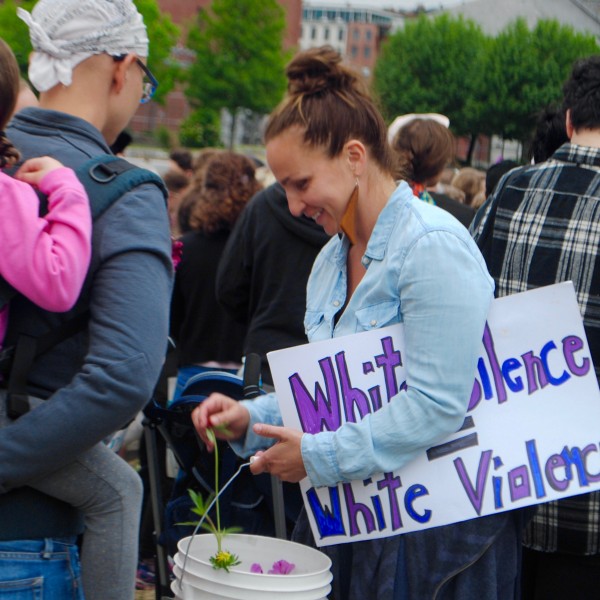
(57, 479)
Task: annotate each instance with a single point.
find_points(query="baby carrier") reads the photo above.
(106, 178)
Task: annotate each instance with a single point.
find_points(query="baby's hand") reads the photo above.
(32, 171)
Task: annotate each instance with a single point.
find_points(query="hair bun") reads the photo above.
(317, 70)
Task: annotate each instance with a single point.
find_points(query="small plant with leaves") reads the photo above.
(222, 559)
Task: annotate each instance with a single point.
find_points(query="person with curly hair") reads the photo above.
(206, 336)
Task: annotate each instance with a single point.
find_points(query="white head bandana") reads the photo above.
(66, 32)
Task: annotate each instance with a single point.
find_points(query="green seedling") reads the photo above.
(222, 559)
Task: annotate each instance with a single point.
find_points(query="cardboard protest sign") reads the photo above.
(531, 434)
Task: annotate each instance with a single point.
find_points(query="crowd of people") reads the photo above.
(361, 225)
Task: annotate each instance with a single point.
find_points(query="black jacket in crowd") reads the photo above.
(263, 272)
(202, 329)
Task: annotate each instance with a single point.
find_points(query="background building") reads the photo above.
(355, 32)
(176, 108)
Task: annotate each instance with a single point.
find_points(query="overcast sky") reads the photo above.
(397, 4)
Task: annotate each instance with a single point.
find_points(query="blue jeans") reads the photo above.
(40, 569)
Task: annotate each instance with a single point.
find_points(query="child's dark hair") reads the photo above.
(331, 103)
(581, 93)
(9, 90)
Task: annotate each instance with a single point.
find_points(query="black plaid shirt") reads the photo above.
(542, 226)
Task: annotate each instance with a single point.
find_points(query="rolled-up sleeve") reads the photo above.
(445, 294)
(263, 409)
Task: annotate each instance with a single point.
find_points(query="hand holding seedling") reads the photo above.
(217, 412)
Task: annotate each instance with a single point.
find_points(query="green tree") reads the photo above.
(431, 66)
(239, 57)
(163, 34)
(524, 70)
(14, 31)
(200, 129)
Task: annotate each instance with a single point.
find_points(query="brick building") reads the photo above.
(355, 32)
(152, 115)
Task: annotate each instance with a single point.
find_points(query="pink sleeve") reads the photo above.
(45, 258)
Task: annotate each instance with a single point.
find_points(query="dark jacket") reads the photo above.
(202, 329)
(463, 212)
(263, 273)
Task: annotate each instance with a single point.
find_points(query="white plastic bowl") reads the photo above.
(194, 587)
(312, 567)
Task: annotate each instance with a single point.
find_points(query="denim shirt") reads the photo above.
(423, 270)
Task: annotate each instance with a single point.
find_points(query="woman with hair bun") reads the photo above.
(423, 148)
(393, 259)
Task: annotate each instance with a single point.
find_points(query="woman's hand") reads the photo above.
(225, 416)
(284, 459)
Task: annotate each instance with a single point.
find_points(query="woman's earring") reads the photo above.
(348, 223)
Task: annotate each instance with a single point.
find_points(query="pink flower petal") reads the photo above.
(282, 567)
(256, 568)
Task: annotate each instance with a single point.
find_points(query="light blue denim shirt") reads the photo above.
(423, 270)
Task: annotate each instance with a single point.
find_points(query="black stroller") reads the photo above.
(254, 503)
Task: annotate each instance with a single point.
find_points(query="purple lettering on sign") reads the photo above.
(578, 458)
(572, 344)
(388, 361)
(556, 461)
(474, 492)
(518, 482)
(533, 364)
(488, 344)
(357, 508)
(590, 476)
(322, 412)
(392, 484)
(375, 395)
(485, 383)
(352, 397)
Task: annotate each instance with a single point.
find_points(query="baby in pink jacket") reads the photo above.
(44, 258)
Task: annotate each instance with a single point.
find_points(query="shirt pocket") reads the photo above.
(314, 320)
(376, 316)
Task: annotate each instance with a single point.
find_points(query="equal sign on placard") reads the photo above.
(455, 445)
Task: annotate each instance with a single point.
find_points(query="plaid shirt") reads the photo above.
(542, 226)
